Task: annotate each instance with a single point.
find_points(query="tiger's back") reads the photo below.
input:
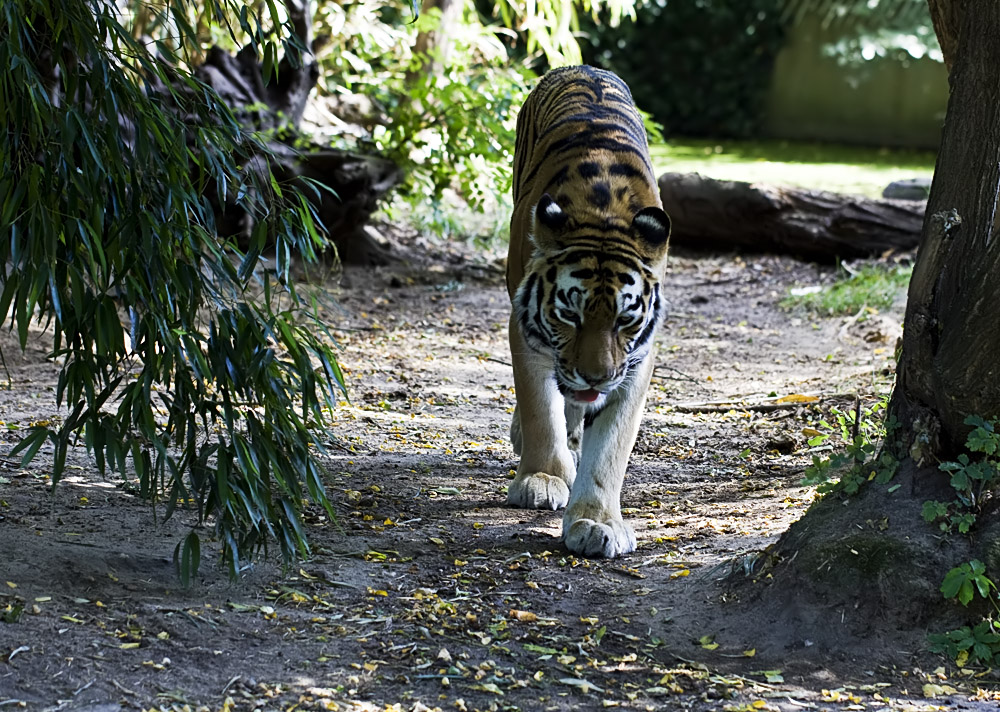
(581, 140)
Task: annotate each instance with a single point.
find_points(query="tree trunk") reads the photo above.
(812, 224)
(874, 567)
(947, 18)
(948, 368)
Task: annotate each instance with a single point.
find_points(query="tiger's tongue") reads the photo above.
(588, 396)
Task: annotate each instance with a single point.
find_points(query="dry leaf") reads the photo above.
(932, 690)
(797, 398)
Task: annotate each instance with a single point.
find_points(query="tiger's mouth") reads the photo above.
(586, 396)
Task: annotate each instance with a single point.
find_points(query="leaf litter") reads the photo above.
(427, 593)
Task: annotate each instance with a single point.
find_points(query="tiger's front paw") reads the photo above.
(588, 537)
(537, 490)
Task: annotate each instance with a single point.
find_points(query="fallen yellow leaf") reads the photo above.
(797, 398)
(932, 690)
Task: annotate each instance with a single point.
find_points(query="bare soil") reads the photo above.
(427, 592)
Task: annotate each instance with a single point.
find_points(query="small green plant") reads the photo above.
(979, 643)
(972, 480)
(861, 431)
(963, 582)
(871, 287)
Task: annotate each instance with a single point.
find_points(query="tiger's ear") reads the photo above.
(548, 221)
(652, 226)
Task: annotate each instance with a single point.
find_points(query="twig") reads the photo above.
(842, 334)
(121, 688)
(356, 328)
(724, 406)
(230, 684)
(681, 373)
(755, 407)
(708, 282)
(497, 360)
(81, 689)
(857, 417)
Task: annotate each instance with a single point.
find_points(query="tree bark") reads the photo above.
(948, 367)
(812, 224)
(946, 15)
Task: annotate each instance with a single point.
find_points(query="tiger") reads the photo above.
(588, 251)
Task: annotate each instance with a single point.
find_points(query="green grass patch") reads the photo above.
(854, 170)
(872, 286)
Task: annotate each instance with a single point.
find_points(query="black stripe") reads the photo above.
(529, 283)
(624, 169)
(578, 254)
(557, 180)
(600, 195)
(650, 329)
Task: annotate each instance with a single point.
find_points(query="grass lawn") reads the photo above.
(841, 169)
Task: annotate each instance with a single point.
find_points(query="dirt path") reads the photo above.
(427, 592)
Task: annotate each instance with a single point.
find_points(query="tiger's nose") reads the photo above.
(595, 378)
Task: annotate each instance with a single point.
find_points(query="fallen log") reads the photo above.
(812, 224)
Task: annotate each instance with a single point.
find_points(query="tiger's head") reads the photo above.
(591, 295)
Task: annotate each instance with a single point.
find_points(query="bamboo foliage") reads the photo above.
(191, 369)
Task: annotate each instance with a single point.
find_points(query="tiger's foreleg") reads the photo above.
(593, 524)
(574, 430)
(547, 468)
